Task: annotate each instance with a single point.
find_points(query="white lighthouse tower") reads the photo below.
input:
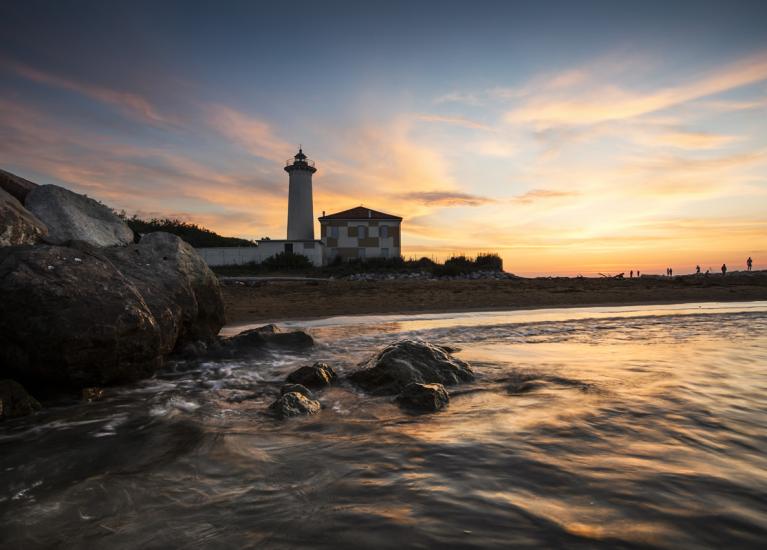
(300, 207)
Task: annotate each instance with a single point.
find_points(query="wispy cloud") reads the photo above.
(128, 101)
(455, 120)
(249, 132)
(535, 195)
(447, 198)
(589, 101)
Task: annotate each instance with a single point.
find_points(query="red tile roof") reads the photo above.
(360, 213)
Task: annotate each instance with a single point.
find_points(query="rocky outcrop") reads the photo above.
(423, 397)
(17, 225)
(269, 336)
(181, 291)
(70, 318)
(16, 186)
(73, 217)
(409, 361)
(15, 401)
(297, 388)
(294, 404)
(317, 376)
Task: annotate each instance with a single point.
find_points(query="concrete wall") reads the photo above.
(361, 238)
(233, 255)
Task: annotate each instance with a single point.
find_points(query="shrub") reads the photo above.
(287, 261)
(489, 262)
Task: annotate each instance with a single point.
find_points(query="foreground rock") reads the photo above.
(17, 225)
(16, 186)
(294, 404)
(15, 401)
(423, 397)
(407, 362)
(297, 388)
(73, 217)
(269, 336)
(181, 291)
(71, 319)
(319, 375)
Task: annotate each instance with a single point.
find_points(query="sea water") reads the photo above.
(646, 427)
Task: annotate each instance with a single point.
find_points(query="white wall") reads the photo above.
(235, 255)
(300, 206)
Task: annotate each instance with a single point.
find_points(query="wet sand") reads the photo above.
(271, 301)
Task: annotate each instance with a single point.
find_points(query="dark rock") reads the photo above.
(318, 375)
(409, 361)
(177, 285)
(73, 217)
(70, 319)
(15, 401)
(297, 388)
(18, 225)
(524, 386)
(423, 397)
(16, 186)
(269, 336)
(294, 404)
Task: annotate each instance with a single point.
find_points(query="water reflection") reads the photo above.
(643, 427)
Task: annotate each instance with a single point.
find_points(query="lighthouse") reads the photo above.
(300, 209)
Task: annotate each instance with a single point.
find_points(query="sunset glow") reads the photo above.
(565, 144)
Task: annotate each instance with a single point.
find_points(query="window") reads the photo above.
(383, 231)
(361, 253)
(334, 231)
(289, 248)
(362, 232)
(384, 252)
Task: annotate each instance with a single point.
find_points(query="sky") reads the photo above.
(569, 137)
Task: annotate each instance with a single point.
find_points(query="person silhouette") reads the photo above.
(638, 273)
(749, 263)
(631, 274)
(697, 270)
(670, 272)
(724, 270)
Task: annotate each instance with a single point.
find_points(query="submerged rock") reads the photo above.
(423, 397)
(17, 225)
(71, 319)
(297, 388)
(409, 361)
(177, 285)
(73, 217)
(269, 336)
(15, 401)
(294, 404)
(318, 375)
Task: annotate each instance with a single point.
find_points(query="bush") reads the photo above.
(489, 262)
(198, 237)
(287, 261)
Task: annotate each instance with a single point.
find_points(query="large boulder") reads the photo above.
(269, 336)
(423, 397)
(294, 404)
(69, 318)
(16, 186)
(73, 217)
(317, 376)
(409, 361)
(15, 401)
(177, 285)
(18, 225)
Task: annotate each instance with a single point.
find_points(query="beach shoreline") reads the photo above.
(276, 301)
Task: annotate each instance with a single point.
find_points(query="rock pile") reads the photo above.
(82, 305)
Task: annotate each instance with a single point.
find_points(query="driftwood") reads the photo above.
(608, 276)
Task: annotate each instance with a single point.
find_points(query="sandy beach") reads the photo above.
(275, 300)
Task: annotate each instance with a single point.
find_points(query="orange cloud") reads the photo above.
(253, 134)
(577, 104)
